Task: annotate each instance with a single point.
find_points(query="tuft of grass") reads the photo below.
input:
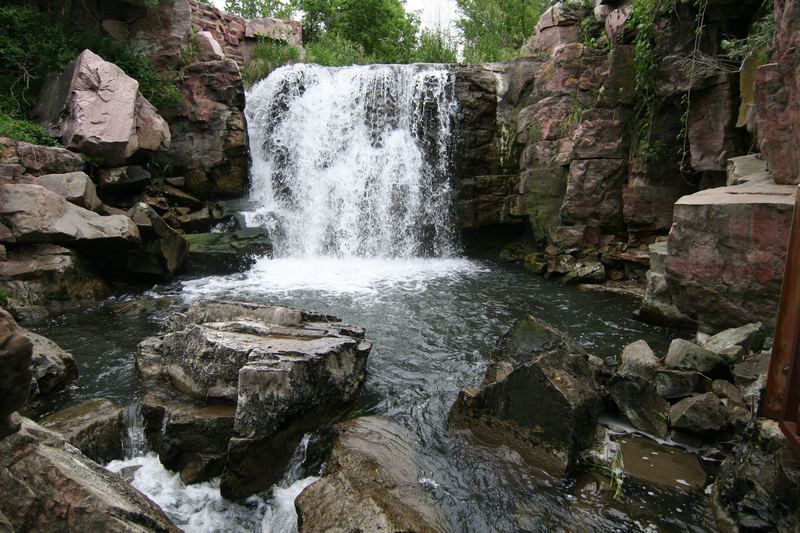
(24, 130)
(267, 55)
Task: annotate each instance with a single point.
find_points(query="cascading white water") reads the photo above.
(353, 162)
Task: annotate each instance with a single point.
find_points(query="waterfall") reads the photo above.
(354, 162)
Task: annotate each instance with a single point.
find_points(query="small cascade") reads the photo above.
(354, 162)
(134, 440)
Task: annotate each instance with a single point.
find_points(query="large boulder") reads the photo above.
(284, 370)
(43, 279)
(48, 485)
(19, 158)
(540, 396)
(94, 427)
(15, 378)
(53, 368)
(371, 483)
(95, 108)
(35, 214)
(75, 187)
(726, 253)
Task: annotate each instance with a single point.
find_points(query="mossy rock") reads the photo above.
(223, 253)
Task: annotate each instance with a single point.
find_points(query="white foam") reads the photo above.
(333, 276)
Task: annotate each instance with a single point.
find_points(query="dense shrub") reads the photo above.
(266, 56)
(24, 130)
(331, 50)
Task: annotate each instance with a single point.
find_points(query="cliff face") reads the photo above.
(565, 145)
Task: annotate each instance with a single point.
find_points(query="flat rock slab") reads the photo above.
(94, 427)
(286, 371)
(661, 466)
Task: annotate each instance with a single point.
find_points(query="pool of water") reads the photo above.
(433, 322)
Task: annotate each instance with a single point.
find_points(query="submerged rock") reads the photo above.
(48, 485)
(285, 371)
(540, 396)
(371, 483)
(94, 427)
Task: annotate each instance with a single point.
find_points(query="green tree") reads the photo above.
(435, 46)
(252, 9)
(381, 28)
(494, 30)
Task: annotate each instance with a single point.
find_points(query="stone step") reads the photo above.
(748, 169)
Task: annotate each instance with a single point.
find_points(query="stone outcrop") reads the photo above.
(540, 397)
(95, 108)
(75, 187)
(219, 253)
(19, 159)
(15, 359)
(45, 278)
(370, 483)
(284, 372)
(48, 485)
(163, 250)
(94, 427)
(35, 214)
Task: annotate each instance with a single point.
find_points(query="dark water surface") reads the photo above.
(433, 323)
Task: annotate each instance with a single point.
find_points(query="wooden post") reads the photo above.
(787, 329)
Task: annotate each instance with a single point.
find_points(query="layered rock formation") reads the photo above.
(243, 383)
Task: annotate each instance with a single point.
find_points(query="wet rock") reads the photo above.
(48, 485)
(286, 371)
(35, 214)
(122, 180)
(53, 368)
(190, 437)
(756, 487)
(586, 272)
(19, 158)
(45, 278)
(636, 397)
(727, 250)
(727, 390)
(76, 188)
(750, 338)
(371, 483)
(15, 373)
(686, 355)
(163, 249)
(94, 427)
(222, 253)
(95, 108)
(703, 414)
(658, 306)
(673, 384)
(638, 356)
(540, 396)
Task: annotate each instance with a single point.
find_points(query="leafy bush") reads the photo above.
(331, 50)
(758, 40)
(24, 130)
(266, 56)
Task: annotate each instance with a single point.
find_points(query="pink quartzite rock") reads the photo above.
(95, 108)
(726, 253)
(19, 158)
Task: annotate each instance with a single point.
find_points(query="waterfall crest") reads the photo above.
(354, 162)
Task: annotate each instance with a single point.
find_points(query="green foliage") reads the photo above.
(24, 130)
(331, 50)
(494, 30)
(593, 33)
(252, 9)
(33, 44)
(4, 296)
(382, 28)
(759, 38)
(435, 47)
(266, 56)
